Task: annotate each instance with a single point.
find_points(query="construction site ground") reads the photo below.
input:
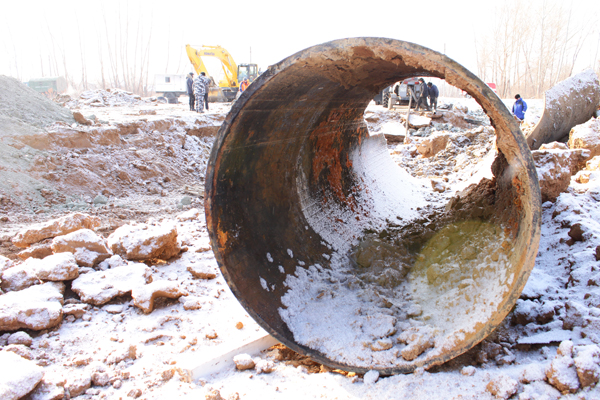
(142, 163)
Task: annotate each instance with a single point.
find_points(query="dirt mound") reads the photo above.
(106, 98)
(22, 108)
(49, 163)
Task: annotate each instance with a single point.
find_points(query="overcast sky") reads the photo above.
(33, 33)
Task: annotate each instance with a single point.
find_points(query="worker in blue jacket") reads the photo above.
(519, 108)
(433, 96)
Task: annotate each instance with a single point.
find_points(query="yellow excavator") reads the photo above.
(227, 88)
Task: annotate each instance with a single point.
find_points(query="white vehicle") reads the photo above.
(170, 86)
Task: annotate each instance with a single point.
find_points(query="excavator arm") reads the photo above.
(229, 66)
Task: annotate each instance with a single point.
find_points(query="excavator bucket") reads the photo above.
(333, 248)
(569, 103)
(216, 95)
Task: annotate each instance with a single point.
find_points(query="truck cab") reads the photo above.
(401, 92)
(170, 86)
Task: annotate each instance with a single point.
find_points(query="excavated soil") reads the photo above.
(135, 159)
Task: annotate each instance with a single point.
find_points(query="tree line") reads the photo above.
(531, 46)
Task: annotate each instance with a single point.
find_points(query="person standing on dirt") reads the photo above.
(206, 80)
(519, 108)
(424, 93)
(199, 94)
(190, 89)
(433, 96)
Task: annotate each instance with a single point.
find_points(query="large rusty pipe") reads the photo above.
(295, 182)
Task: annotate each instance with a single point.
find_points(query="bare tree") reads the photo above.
(532, 46)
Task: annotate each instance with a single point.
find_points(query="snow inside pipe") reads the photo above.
(332, 248)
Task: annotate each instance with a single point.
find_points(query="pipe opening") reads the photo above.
(336, 250)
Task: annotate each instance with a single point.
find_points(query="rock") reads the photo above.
(144, 242)
(40, 250)
(191, 303)
(438, 186)
(100, 287)
(114, 308)
(418, 339)
(55, 227)
(185, 201)
(593, 164)
(38, 307)
(79, 118)
(124, 176)
(533, 373)
(100, 378)
(583, 177)
(574, 315)
(432, 145)
(468, 370)
(18, 376)
(382, 344)
(78, 383)
(18, 278)
(528, 311)
(144, 296)
(126, 352)
(264, 367)
(576, 232)
(112, 262)
(21, 350)
(243, 362)
(565, 349)
(371, 377)
(587, 365)
(100, 200)
(190, 215)
(555, 168)
(503, 386)
(461, 108)
(47, 391)
(57, 267)
(586, 136)
(89, 248)
(76, 310)
(554, 146)
(202, 270)
(20, 338)
(561, 373)
(539, 390)
(214, 395)
(5, 263)
(418, 121)
(135, 393)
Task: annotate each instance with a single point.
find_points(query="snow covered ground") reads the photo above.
(116, 350)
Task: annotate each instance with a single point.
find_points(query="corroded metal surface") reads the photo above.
(290, 138)
(569, 103)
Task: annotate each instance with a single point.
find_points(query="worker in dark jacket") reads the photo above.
(206, 80)
(424, 93)
(190, 89)
(433, 96)
(519, 108)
